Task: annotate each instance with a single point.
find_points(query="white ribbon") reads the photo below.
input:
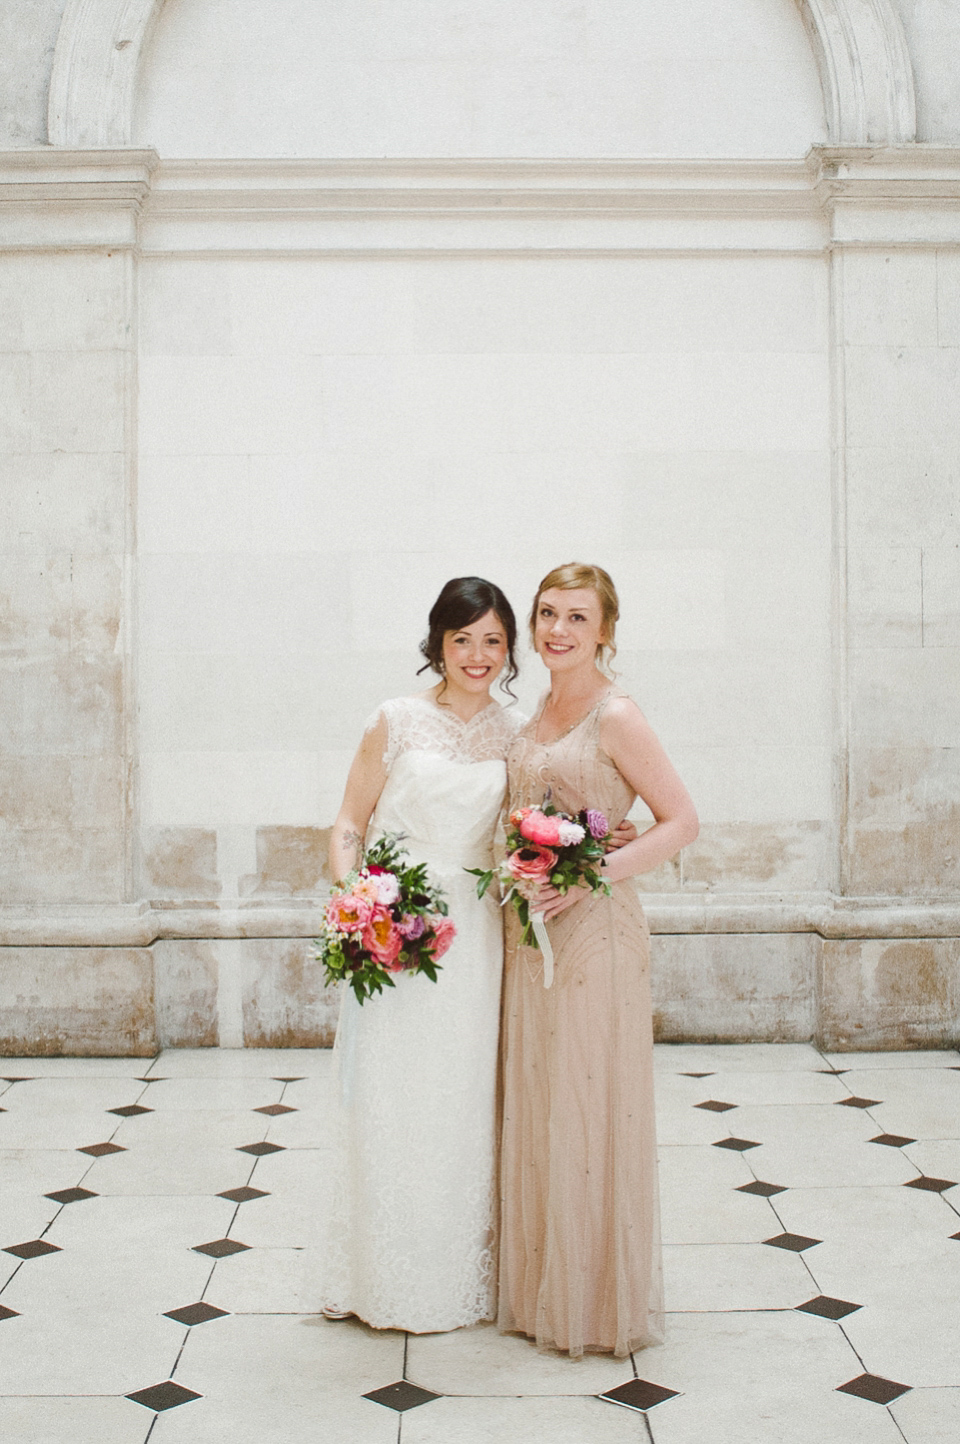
(543, 941)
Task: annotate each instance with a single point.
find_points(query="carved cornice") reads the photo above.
(889, 196)
(66, 198)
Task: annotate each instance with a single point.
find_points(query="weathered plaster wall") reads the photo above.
(933, 35)
(256, 411)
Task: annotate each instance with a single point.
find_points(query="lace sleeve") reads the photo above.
(386, 714)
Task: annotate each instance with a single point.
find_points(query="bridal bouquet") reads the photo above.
(547, 846)
(386, 918)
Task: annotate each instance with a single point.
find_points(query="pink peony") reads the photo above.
(597, 823)
(444, 932)
(388, 888)
(368, 889)
(533, 863)
(347, 912)
(381, 937)
(540, 828)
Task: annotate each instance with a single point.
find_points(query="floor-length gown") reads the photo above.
(408, 1242)
(579, 1233)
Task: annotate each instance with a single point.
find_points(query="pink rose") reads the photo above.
(382, 939)
(444, 933)
(348, 913)
(531, 863)
(540, 828)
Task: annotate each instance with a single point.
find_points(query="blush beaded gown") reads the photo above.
(580, 1266)
(408, 1243)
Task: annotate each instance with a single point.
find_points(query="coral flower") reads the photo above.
(532, 863)
(348, 913)
(444, 932)
(381, 937)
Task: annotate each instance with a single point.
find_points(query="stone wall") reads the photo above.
(695, 320)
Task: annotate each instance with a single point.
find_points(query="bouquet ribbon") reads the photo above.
(543, 942)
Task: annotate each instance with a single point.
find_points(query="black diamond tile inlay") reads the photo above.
(639, 1394)
(6, 1313)
(402, 1396)
(100, 1150)
(795, 1242)
(955, 1235)
(739, 1144)
(932, 1185)
(71, 1195)
(289, 1080)
(35, 1248)
(130, 1110)
(153, 1080)
(892, 1140)
(275, 1109)
(163, 1396)
(761, 1189)
(243, 1195)
(220, 1247)
(828, 1308)
(835, 1072)
(696, 1075)
(854, 1102)
(196, 1314)
(874, 1388)
(259, 1149)
(19, 1078)
(714, 1107)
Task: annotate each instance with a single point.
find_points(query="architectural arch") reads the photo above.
(860, 48)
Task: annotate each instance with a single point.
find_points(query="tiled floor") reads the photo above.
(158, 1280)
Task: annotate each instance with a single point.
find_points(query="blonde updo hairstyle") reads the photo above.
(571, 577)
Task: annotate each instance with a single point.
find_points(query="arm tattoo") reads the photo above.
(353, 840)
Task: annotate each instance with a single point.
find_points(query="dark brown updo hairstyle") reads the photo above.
(463, 601)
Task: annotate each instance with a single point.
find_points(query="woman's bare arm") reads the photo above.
(365, 783)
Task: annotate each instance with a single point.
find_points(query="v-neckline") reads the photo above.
(573, 726)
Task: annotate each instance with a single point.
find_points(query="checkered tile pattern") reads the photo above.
(161, 1280)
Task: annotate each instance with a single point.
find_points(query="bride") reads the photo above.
(408, 1241)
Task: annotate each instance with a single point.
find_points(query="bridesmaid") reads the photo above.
(579, 1246)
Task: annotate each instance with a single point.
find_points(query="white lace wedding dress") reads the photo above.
(408, 1241)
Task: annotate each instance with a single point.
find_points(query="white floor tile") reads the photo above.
(54, 1096)
(730, 1057)
(929, 1416)
(229, 1095)
(912, 1339)
(48, 1131)
(699, 1202)
(76, 1067)
(776, 1087)
(160, 1170)
(30, 1171)
(24, 1218)
(180, 1129)
(760, 1380)
(86, 1351)
(733, 1276)
(937, 1158)
(479, 1360)
(522, 1421)
(268, 1281)
(34, 1420)
(912, 1058)
(241, 1062)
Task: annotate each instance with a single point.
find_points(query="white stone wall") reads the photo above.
(304, 315)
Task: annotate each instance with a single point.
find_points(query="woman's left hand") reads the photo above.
(551, 903)
(623, 833)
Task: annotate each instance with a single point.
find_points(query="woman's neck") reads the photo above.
(464, 705)
(573, 691)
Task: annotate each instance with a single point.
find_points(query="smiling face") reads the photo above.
(473, 657)
(568, 629)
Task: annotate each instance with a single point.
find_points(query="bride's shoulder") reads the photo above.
(507, 720)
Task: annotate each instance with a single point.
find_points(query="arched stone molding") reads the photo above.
(859, 45)
(865, 70)
(95, 65)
